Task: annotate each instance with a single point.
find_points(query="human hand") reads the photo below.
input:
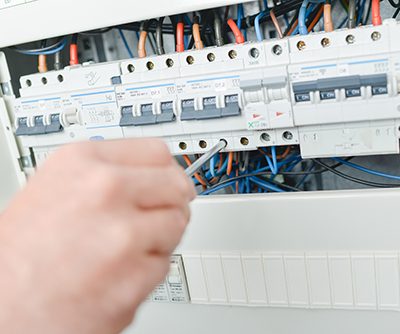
(90, 237)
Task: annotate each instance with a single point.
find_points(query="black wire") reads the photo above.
(159, 37)
(368, 13)
(282, 185)
(238, 178)
(96, 31)
(355, 179)
(396, 13)
(219, 39)
(248, 22)
(292, 22)
(314, 13)
(394, 4)
(74, 39)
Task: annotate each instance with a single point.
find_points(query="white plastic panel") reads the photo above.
(364, 281)
(342, 282)
(297, 280)
(234, 278)
(45, 18)
(387, 272)
(318, 275)
(215, 279)
(195, 278)
(255, 283)
(275, 277)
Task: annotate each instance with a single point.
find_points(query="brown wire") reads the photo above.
(276, 24)
(198, 43)
(142, 44)
(42, 67)
(316, 19)
(328, 24)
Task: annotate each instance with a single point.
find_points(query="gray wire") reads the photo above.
(219, 40)
(57, 61)
(191, 170)
(352, 14)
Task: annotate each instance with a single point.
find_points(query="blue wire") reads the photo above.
(257, 26)
(48, 52)
(265, 4)
(265, 185)
(128, 49)
(212, 165)
(274, 160)
(239, 15)
(222, 186)
(285, 17)
(304, 178)
(302, 18)
(367, 170)
(361, 12)
(343, 23)
(309, 11)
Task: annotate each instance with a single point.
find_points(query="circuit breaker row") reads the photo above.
(336, 97)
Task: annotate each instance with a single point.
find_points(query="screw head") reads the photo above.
(301, 45)
(265, 137)
(376, 35)
(190, 60)
(287, 135)
(325, 42)
(211, 57)
(350, 39)
(232, 54)
(254, 53)
(277, 50)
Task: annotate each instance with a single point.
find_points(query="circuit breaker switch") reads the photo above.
(188, 111)
(302, 97)
(127, 118)
(353, 92)
(379, 90)
(174, 276)
(327, 95)
(22, 126)
(210, 109)
(147, 116)
(55, 124)
(232, 107)
(31, 127)
(166, 112)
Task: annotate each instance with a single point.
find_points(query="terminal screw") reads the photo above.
(265, 137)
(254, 53)
(350, 39)
(287, 135)
(277, 50)
(190, 60)
(325, 42)
(232, 54)
(376, 35)
(301, 45)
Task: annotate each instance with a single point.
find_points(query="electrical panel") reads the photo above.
(334, 94)
(322, 95)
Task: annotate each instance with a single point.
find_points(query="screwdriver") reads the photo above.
(191, 170)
